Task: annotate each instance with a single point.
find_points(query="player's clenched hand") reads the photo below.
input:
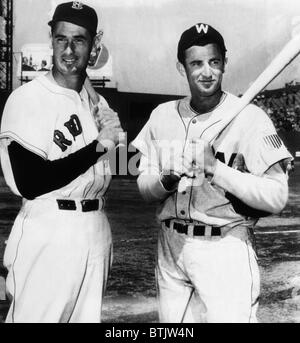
(107, 118)
(174, 169)
(110, 133)
(109, 137)
(178, 165)
(202, 155)
(110, 130)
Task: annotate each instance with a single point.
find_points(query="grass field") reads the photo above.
(130, 296)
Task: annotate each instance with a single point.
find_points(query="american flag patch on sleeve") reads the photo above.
(273, 141)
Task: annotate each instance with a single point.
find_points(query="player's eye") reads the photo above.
(61, 40)
(195, 63)
(215, 63)
(78, 41)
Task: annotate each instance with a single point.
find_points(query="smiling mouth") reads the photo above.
(206, 81)
(69, 60)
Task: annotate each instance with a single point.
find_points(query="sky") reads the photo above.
(142, 37)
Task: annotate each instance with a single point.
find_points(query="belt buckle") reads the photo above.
(208, 229)
(190, 230)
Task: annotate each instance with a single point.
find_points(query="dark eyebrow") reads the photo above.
(76, 37)
(195, 60)
(59, 36)
(80, 37)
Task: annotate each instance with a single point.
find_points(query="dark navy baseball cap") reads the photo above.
(77, 13)
(199, 34)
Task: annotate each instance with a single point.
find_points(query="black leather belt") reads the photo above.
(86, 205)
(198, 230)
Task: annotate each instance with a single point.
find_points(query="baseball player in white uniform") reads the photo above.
(209, 197)
(53, 155)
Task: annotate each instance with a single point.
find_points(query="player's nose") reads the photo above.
(68, 50)
(206, 70)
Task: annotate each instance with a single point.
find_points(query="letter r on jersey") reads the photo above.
(201, 27)
(60, 140)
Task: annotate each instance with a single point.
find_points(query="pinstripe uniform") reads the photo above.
(72, 247)
(206, 268)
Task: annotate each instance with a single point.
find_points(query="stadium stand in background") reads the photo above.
(283, 106)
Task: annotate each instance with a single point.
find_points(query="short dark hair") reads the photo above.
(92, 35)
(181, 56)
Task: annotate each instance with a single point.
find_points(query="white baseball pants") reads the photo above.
(207, 279)
(58, 263)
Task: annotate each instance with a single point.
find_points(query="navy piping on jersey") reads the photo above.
(92, 184)
(193, 180)
(251, 289)
(43, 80)
(185, 141)
(71, 191)
(26, 145)
(104, 182)
(190, 198)
(224, 96)
(85, 194)
(81, 284)
(13, 272)
(186, 133)
(103, 185)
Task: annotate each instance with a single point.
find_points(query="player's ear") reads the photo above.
(50, 40)
(224, 64)
(95, 48)
(181, 69)
(94, 42)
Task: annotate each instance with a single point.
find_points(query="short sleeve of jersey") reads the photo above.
(25, 122)
(262, 147)
(145, 142)
(143, 139)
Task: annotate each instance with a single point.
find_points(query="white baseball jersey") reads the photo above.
(53, 122)
(251, 134)
(213, 279)
(57, 259)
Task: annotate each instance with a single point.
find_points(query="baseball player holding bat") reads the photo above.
(209, 196)
(53, 155)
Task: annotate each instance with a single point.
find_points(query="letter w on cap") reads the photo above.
(201, 27)
(77, 5)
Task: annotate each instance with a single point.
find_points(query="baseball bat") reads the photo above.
(91, 91)
(95, 98)
(288, 53)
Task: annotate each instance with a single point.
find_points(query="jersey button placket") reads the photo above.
(183, 203)
(183, 213)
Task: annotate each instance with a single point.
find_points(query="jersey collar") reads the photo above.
(54, 87)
